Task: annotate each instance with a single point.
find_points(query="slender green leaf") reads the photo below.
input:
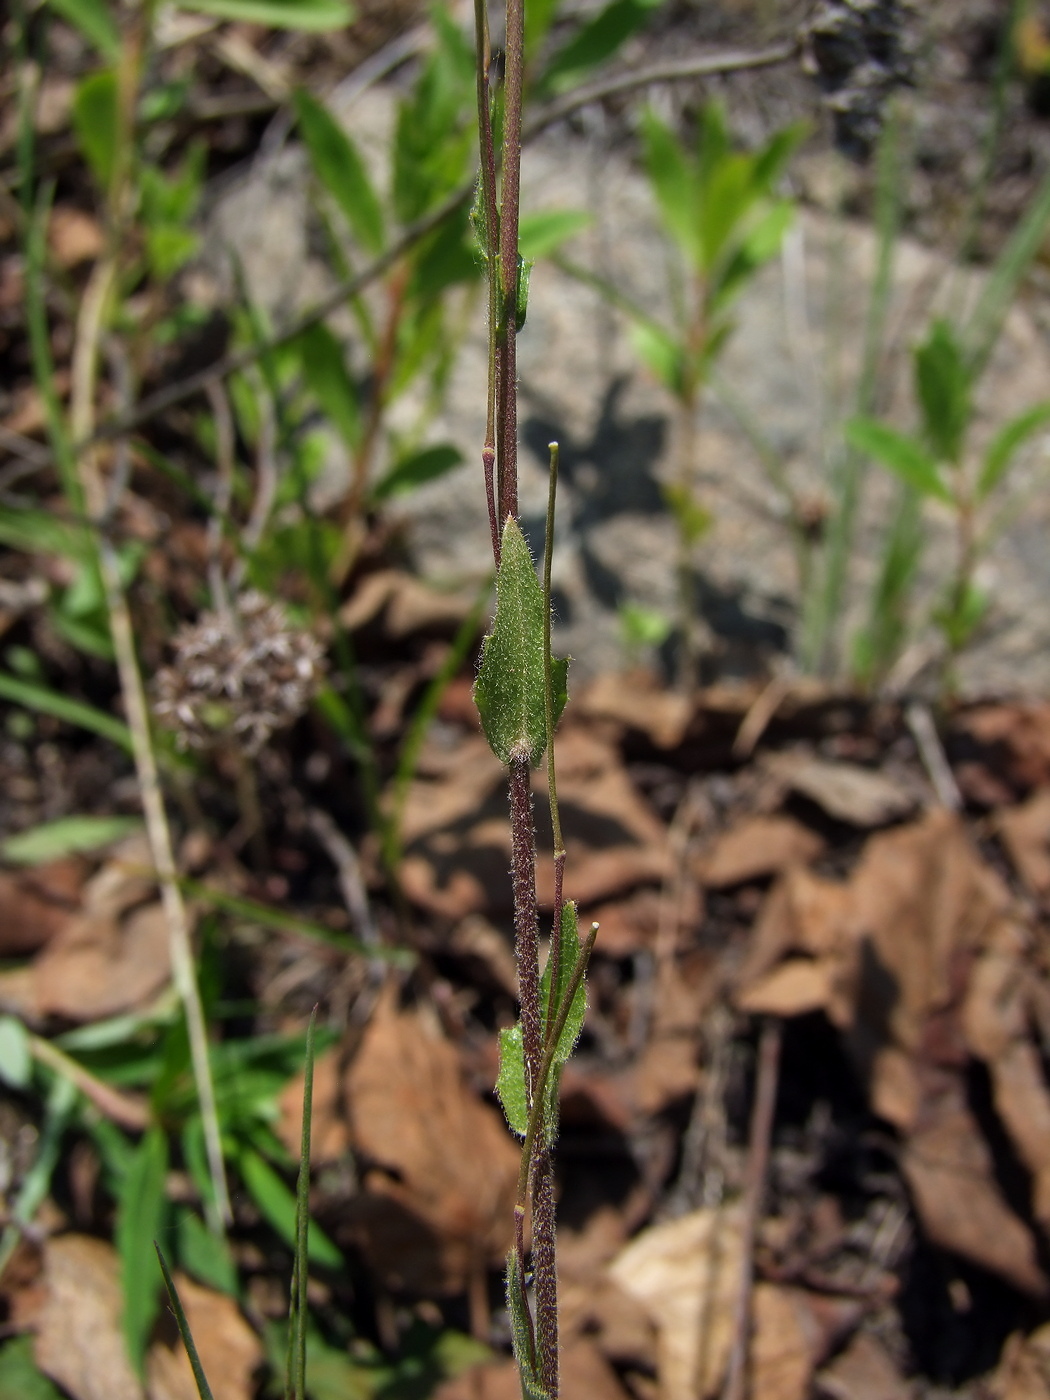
(693, 518)
(761, 244)
(903, 455)
(879, 643)
(338, 165)
(521, 1333)
(539, 16)
(569, 953)
(982, 330)
(65, 836)
(959, 618)
(40, 532)
(58, 1109)
(203, 1254)
(49, 702)
(673, 177)
(269, 917)
(181, 1321)
(771, 161)
(727, 197)
(596, 41)
(96, 123)
(509, 691)
(19, 1377)
(1006, 443)
(541, 232)
(277, 1204)
(298, 1310)
(522, 298)
(661, 353)
(427, 464)
(94, 19)
(141, 1209)
(313, 15)
(510, 1083)
(16, 1058)
(328, 379)
(942, 383)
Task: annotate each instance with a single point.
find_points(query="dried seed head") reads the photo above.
(238, 677)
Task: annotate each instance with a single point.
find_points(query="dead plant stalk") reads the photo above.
(90, 328)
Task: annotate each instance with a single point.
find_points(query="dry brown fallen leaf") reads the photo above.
(864, 1371)
(591, 1303)
(78, 1338)
(638, 701)
(73, 236)
(788, 1340)
(950, 1172)
(920, 959)
(804, 914)
(406, 603)
(110, 956)
(755, 847)
(439, 1169)
(36, 904)
(457, 842)
(229, 1350)
(997, 1016)
(1025, 832)
(848, 792)
(1023, 1372)
(668, 1066)
(1019, 734)
(686, 1274)
(74, 1310)
(585, 1375)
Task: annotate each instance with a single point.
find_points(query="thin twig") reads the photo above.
(349, 873)
(266, 481)
(126, 1110)
(934, 759)
(87, 341)
(757, 1170)
(705, 66)
(219, 402)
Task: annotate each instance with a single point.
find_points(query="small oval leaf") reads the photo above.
(509, 691)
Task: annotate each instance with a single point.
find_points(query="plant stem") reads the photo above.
(90, 326)
(523, 875)
(490, 222)
(754, 1188)
(552, 779)
(510, 196)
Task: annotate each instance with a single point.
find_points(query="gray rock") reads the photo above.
(791, 367)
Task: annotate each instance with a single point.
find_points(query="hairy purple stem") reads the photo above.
(510, 196)
(545, 1270)
(523, 875)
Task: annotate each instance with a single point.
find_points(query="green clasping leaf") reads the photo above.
(568, 954)
(521, 1333)
(903, 455)
(524, 273)
(510, 1086)
(509, 691)
(16, 1058)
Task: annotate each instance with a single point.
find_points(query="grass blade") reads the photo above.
(302, 1227)
(49, 702)
(199, 1378)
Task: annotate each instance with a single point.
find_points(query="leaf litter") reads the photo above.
(816, 882)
